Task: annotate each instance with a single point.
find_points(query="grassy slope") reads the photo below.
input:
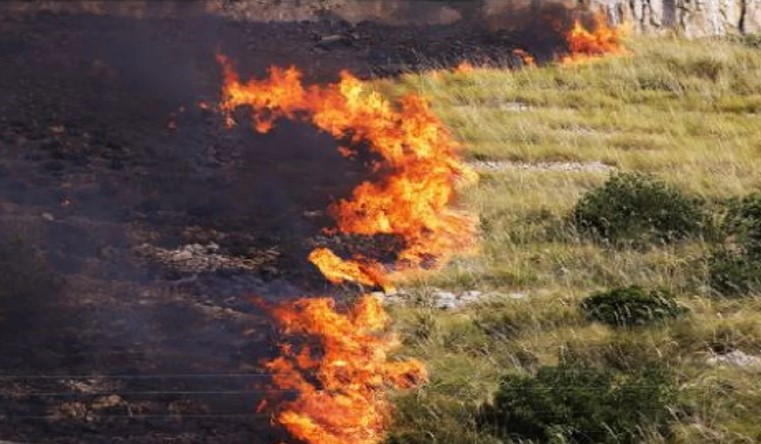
(688, 112)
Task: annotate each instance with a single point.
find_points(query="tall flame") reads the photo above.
(585, 45)
(417, 151)
(350, 363)
(337, 270)
(341, 371)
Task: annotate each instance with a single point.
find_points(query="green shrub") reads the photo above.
(631, 306)
(634, 208)
(576, 402)
(735, 267)
(732, 273)
(742, 225)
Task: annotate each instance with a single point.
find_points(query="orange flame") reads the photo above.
(341, 375)
(585, 45)
(527, 59)
(465, 67)
(337, 270)
(417, 151)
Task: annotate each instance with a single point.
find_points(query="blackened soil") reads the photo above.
(103, 147)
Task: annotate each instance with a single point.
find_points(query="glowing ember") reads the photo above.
(340, 373)
(584, 45)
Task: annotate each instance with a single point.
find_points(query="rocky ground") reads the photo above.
(159, 222)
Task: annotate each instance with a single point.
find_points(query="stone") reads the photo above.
(183, 255)
(735, 358)
(105, 402)
(691, 18)
(517, 295)
(751, 22)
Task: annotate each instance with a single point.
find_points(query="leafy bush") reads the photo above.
(635, 208)
(735, 267)
(732, 273)
(631, 306)
(576, 402)
(742, 224)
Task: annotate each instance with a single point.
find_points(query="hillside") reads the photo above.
(685, 115)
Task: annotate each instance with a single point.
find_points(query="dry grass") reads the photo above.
(686, 112)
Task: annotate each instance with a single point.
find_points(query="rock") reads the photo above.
(735, 358)
(500, 165)
(105, 402)
(447, 300)
(692, 18)
(70, 410)
(198, 258)
(470, 296)
(752, 19)
(183, 255)
(334, 41)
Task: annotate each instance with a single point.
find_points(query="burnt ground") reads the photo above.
(104, 153)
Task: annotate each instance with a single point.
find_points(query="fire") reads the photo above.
(341, 373)
(338, 361)
(337, 270)
(465, 67)
(584, 45)
(417, 152)
(526, 58)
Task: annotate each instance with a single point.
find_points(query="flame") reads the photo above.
(585, 45)
(465, 67)
(341, 375)
(526, 58)
(417, 152)
(338, 362)
(337, 270)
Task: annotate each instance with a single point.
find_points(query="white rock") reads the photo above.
(447, 304)
(735, 358)
(444, 295)
(183, 255)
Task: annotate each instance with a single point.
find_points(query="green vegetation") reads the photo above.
(577, 402)
(678, 121)
(631, 306)
(735, 266)
(637, 209)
